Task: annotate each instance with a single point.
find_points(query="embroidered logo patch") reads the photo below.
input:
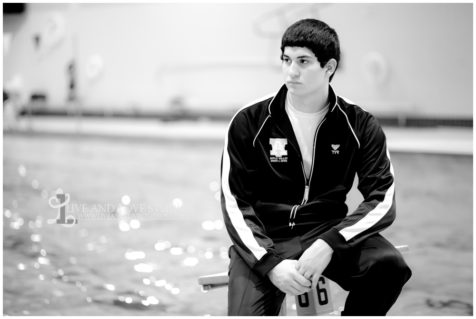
(278, 153)
(335, 148)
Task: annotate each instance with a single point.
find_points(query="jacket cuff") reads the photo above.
(334, 239)
(266, 263)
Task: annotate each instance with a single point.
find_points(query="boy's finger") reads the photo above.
(315, 280)
(301, 280)
(298, 265)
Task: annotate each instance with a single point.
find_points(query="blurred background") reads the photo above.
(123, 109)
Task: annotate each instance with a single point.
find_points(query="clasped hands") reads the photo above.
(296, 277)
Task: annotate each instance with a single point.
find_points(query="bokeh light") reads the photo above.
(134, 224)
(214, 186)
(124, 226)
(162, 245)
(125, 200)
(145, 267)
(7, 213)
(177, 203)
(190, 261)
(134, 255)
(35, 238)
(22, 170)
(110, 287)
(176, 251)
(35, 184)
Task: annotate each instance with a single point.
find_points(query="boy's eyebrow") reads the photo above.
(299, 57)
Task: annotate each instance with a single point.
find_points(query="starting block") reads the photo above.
(326, 300)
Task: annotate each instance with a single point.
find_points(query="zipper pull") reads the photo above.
(292, 215)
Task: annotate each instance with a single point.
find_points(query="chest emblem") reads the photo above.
(335, 149)
(278, 153)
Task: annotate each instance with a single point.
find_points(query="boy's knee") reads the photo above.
(392, 267)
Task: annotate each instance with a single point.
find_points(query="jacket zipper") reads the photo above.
(307, 181)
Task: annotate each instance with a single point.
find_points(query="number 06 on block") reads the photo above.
(318, 302)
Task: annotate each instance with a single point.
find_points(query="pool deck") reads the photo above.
(444, 140)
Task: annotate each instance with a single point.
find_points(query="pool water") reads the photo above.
(149, 224)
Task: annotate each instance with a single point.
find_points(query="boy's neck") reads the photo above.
(311, 103)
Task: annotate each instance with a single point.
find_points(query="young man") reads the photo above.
(288, 163)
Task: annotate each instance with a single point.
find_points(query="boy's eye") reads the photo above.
(300, 61)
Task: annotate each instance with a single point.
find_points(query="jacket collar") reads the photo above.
(276, 107)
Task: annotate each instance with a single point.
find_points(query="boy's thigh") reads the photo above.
(355, 262)
(250, 293)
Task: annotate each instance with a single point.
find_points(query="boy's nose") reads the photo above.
(293, 70)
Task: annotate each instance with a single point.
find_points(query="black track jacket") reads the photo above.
(272, 211)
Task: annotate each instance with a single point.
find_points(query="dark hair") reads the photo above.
(315, 35)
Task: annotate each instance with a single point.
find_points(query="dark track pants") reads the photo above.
(373, 273)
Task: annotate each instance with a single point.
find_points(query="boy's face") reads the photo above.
(302, 71)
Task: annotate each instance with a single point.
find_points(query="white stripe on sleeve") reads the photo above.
(233, 210)
(375, 215)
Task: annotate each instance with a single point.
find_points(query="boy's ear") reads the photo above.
(331, 66)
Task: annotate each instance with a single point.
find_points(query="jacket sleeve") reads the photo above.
(377, 185)
(238, 181)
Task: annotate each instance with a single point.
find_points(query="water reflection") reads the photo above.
(134, 255)
(67, 270)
